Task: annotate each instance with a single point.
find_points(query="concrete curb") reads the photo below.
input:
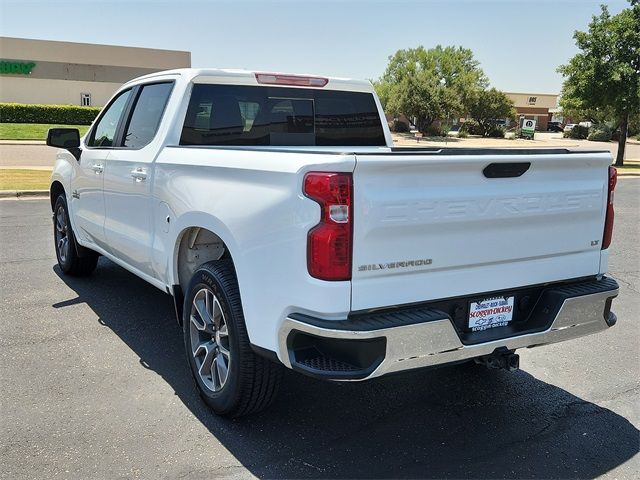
(23, 142)
(23, 193)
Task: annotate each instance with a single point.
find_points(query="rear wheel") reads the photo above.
(230, 377)
(65, 241)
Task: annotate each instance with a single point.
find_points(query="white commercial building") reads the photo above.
(65, 73)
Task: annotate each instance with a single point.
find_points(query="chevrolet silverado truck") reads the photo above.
(290, 232)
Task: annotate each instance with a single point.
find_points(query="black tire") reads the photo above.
(252, 381)
(67, 250)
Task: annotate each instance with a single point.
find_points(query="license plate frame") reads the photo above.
(491, 312)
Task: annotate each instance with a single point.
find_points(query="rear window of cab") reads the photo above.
(262, 115)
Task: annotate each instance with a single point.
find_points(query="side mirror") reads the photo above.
(68, 138)
(63, 138)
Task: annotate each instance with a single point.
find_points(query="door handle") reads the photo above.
(97, 168)
(140, 174)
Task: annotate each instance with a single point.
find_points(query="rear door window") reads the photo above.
(248, 115)
(147, 113)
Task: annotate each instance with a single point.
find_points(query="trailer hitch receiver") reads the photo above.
(501, 359)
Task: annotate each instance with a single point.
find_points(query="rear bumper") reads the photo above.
(375, 344)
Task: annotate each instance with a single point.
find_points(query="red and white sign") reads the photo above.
(490, 313)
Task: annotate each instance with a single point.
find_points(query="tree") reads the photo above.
(487, 106)
(604, 77)
(429, 84)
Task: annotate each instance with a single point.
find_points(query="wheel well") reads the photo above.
(55, 190)
(197, 246)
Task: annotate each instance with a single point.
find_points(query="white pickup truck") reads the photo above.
(290, 232)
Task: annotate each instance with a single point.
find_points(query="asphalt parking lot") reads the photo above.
(94, 384)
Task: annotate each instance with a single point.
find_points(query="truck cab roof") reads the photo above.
(249, 77)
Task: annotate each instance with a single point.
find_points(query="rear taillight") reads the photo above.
(608, 223)
(329, 242)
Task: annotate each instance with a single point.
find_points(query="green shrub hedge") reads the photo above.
(435, 130)
(55, 114)
(496, 131)
(600, 133)
(471, 127)
(578, 132)
(397, 126)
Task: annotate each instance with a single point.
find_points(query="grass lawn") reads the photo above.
(630, 166)
(32, 131)
(24, 179)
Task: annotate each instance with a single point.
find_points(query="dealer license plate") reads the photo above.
(490, 313)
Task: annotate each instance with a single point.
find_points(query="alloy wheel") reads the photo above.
(209, 340)
(62, 234)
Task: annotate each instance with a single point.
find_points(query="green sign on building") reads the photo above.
(13, 67)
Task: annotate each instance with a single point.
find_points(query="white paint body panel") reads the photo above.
(88, 181)
(263, 218)
(476, 234)
(406, 208)
(128, 225)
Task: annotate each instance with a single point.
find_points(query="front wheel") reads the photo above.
(230, 377)
(65, 242)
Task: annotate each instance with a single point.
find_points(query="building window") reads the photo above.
(85, 99)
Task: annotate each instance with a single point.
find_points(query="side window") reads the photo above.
(105, 130)
(147, 113)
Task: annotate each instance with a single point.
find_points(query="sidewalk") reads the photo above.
(22, 142)
(26, 154)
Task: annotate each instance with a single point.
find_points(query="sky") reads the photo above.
(518, 43)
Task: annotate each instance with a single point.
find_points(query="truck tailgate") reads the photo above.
(430, 226)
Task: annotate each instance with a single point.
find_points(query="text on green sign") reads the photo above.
(16, 68)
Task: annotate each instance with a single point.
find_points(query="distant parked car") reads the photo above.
(569, 127)
(555, 127)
